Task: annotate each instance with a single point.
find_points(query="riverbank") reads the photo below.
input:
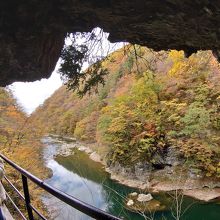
(202, 189)
(194, 188)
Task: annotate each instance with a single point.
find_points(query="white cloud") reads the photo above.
(32, 94)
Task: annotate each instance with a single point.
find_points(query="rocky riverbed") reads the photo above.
(165, 180)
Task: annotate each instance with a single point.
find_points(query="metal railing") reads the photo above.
(75, 203)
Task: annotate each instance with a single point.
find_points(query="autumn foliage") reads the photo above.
(21, 143)
(151, 103)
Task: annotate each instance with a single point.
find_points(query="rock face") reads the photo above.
(33, 32)
(130, 202)
(144, 197)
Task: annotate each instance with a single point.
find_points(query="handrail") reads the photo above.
(70, 200)
(23, 198)
(15, 206)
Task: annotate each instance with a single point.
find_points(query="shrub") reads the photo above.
(196, 120)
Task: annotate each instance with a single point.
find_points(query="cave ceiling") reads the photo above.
(33, 31)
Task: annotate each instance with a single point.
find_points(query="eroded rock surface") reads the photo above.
(144, 197)
(32, 32)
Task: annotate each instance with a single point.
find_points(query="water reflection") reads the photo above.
(79, 187)
(82, 178)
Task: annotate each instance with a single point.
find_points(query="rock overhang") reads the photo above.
(33, 32)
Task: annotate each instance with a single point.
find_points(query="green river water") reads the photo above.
(86, 180)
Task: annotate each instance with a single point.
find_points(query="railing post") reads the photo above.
(2, 190)
(72, 201)
(27, 197)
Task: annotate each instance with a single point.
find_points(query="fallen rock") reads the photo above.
(144, 197)
(82, 148)
(130, 202)
(133, 194)
(88, 151)
(145, 207)
(95, 157)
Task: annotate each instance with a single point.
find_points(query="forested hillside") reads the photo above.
(21, 143)
(152, 104)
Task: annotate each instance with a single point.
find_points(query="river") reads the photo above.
(81, 177)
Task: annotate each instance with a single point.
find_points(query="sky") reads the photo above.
(30, 95)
